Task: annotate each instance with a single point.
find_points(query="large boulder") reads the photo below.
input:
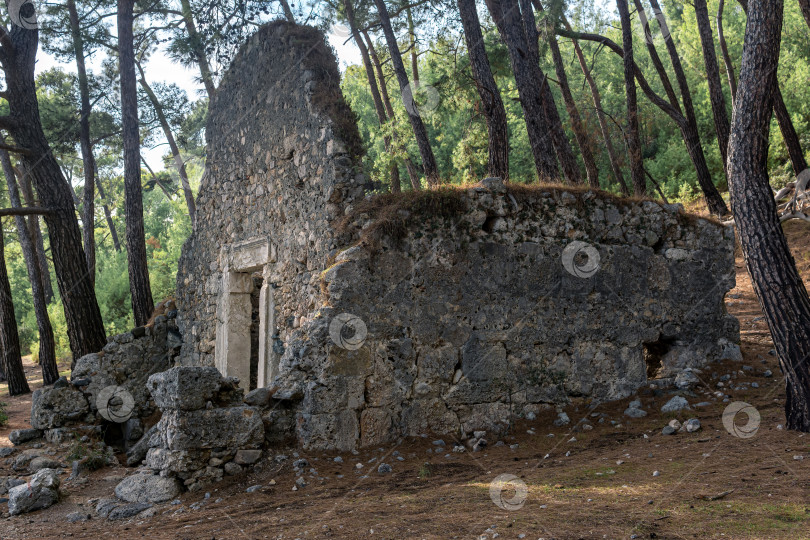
(147, 488)
(40, 492)
(232, 427)
(125, 362)
(54, 407)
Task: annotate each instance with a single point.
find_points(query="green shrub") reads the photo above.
(95, 459)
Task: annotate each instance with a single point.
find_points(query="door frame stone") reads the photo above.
(238, 261)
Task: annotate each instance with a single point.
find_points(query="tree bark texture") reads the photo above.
(88, 160)
(85, 327)
(529, 81)
(491, 102)
(633, 137)
(47, 347)
(140, 290)
(419, 130)
(9, 338)
(777, 283)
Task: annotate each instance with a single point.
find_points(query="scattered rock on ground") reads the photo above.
(691, 425)
(247, 457)
(675, 404)
(634, 412)
(128, 510)
(41, 491)
(41, 462)
(686, 379)
(562, 419)
(147, 488)
(19, 436)
(75, 517)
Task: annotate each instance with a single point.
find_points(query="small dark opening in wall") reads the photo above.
(255, 318)
(654, 354)
(113, 435)
(489, 224)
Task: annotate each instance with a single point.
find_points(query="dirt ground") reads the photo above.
(580, 483)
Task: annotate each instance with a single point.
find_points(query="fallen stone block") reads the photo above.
(19, 436)
(185, 388)
(675, 404)
(148, 488)
(177, 461)
(55, 407)
(128, 510)
(247, 457)
(40, 492)
(233, 427)
(137, 453)
(42, 462)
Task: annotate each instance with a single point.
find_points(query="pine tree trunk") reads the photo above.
(689, 131)
(140, 290)
(419, 130)
(789, 135)
(721, 36)
(412, 39)
(633, 138)
(601, 117)
(529, 80)
(85, 327)
(47, 347)
(714, 200)
(580, 132)
(382, 118)
(36, 232)
(108, 214)
(494, 112)
(9, 338)
(413, 174)
(805, 7)
(718, 99)
(167, 132)
(777, 283)
(88, 160)
(288, 14)
(654, 57)
(198, 47)
(562, 146)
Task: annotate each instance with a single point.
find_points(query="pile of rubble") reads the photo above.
(205, 431)
(124, 366)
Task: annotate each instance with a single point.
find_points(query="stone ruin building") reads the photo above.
(352, 319)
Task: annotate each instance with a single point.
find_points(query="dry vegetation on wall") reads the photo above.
(391, 215)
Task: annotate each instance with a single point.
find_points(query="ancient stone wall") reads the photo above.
(282, 145)
(512, 299)
(447, 311)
